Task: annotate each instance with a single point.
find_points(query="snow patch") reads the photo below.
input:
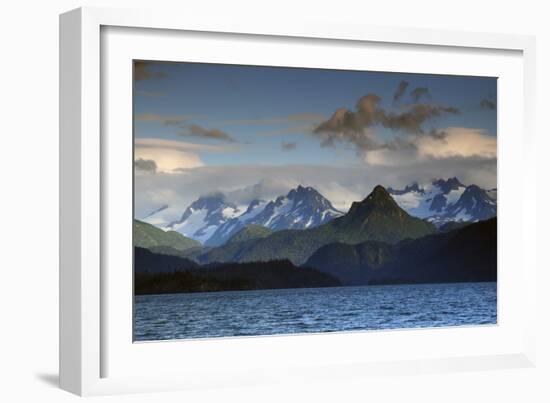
(454, 195)
(230, 212)
(192, 224)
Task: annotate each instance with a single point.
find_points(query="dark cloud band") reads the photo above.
(403, 85)
(350, 126)
(145, 165)
(287, 146)
(199, 131)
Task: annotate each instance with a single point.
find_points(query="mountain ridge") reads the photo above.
(149, 236)
(302, 207)
(467, 253)
(377, 217)
(203, 216)
(250, 232)
(161, 274)
(446, 200)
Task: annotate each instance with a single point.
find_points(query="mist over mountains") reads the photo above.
(213, 219)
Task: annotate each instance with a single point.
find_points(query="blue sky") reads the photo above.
(229, 116)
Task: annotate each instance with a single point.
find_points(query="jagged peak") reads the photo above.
(448, 184)
(474, 190)
(412, 187)
(309, 194)
(302, 190)
(255, 202)
(378, 198)
(212, 201)
(379, 190)
(212, 196)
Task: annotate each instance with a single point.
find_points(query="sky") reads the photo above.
(255, 132)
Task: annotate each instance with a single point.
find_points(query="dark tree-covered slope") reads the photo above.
(230, 277)
(149, 236)
(460, 255)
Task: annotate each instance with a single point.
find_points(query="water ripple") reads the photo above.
(267, 312)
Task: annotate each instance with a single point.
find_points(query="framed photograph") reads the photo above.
(237, 197)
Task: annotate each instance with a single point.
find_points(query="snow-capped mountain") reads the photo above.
(430, 199)
(447, 200)
(201, 219)
(475, 204)
(232, 226)
(212, 220)
(302, 207)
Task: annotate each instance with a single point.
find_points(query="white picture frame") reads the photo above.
(88, 334)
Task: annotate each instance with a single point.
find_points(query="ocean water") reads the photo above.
(312, 310)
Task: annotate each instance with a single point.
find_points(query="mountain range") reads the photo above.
(204, 216)
(377, 217)
(375, 242)
(443, 201)
(212, 219)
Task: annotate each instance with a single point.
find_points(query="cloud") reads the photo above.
(438, 134)
(294, 118)
(142, 71)
(244, 183)
(169, 156)
(266, 188)
(419, 92)
(458, 142)
(180, 145)
(296, 129)
(146, 166)
(305, 117)
(355, 127)
(341, 185)
(185, 129)
(180, 121)
(167, 120)
(487, 104)
(413, 119)
(344, 121)
(452, 143)
(168, 160)
(288, 146)
(362, 140)
(199, 131)
(298, 123)
(400, 91)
